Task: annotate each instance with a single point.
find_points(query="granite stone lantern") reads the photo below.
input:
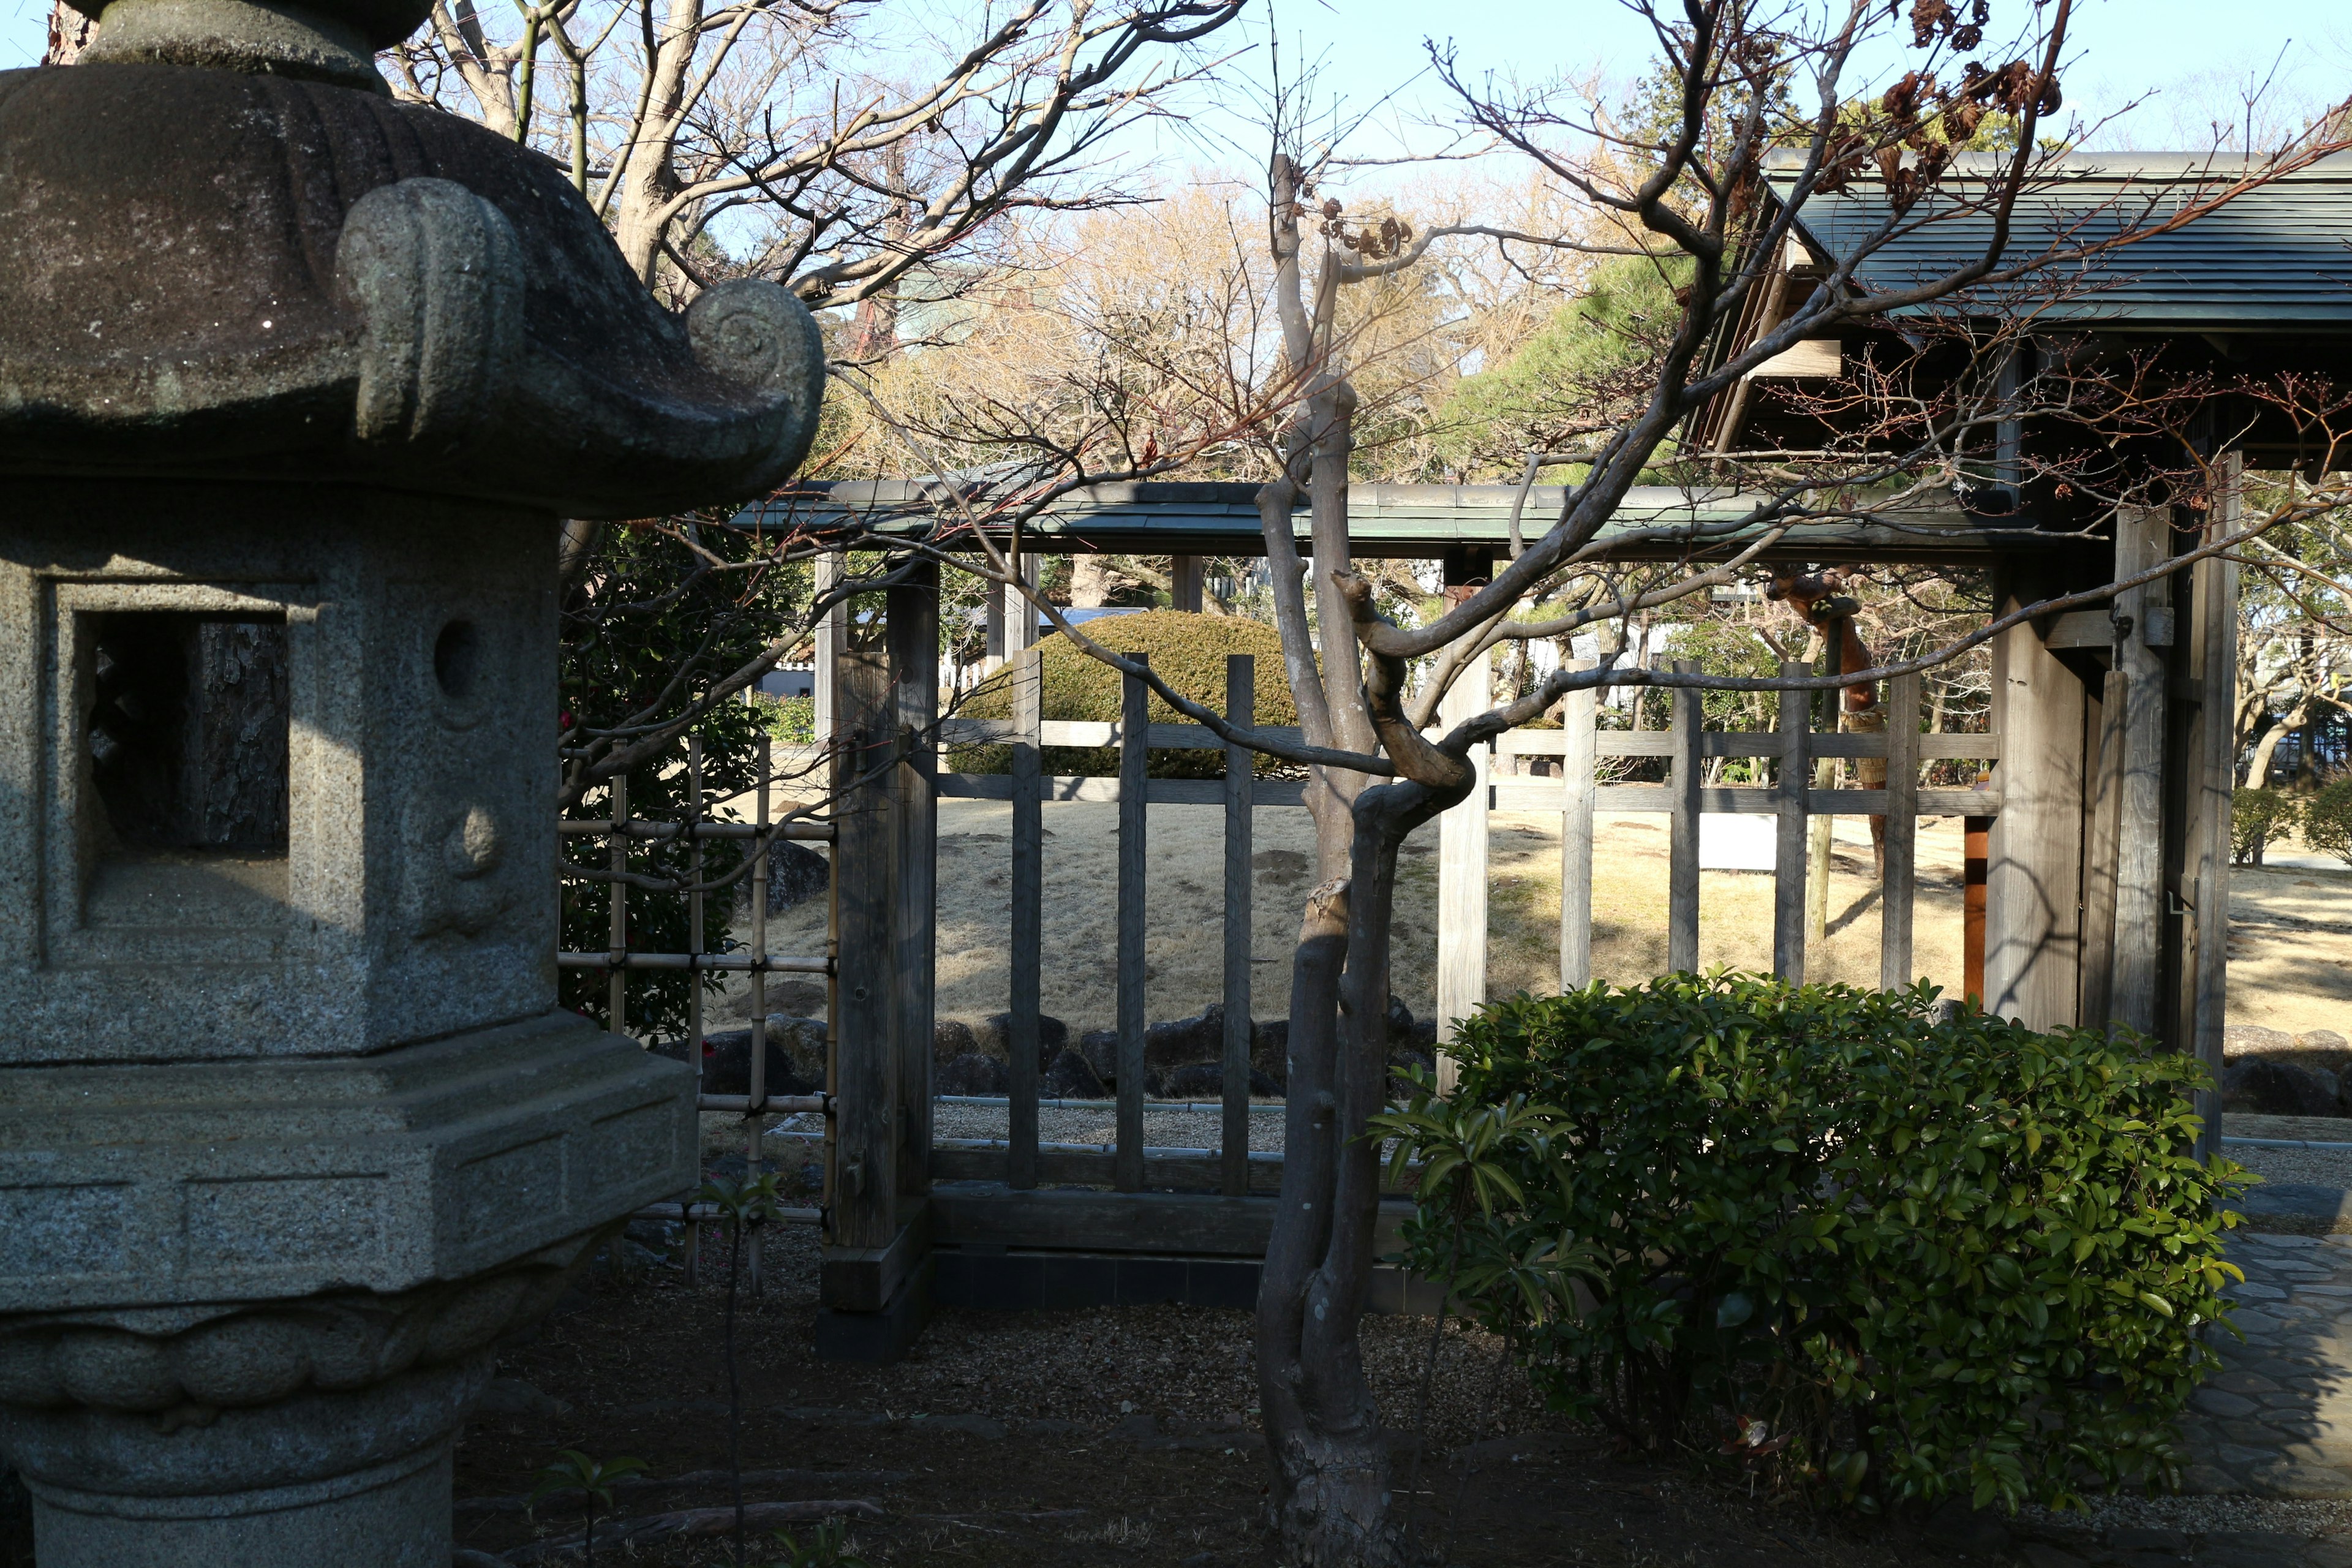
(296, 383)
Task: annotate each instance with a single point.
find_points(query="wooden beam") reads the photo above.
(1241, 767)
(863, 1180)
(2104, 723)
(969, 1214)
(831, 641)
(2212, 754)
(2143, 536)
(1789, 856)
(1185, 578)
(1681, 874)
(2033, 851)
(1027, 923)
(911, 629)
(1462, 872)
(863, 1279)
(1898, 885)
(1132, 859)
(1580, 716)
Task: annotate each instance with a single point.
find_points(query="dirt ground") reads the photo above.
(2289, 946)
(1052, 1440)
(1184, 954)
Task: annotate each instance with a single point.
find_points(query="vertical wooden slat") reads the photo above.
(1578, 719)
(832, 639)
(1898, 885)
(694, 815)
(1788, 849)
(2133, 975)
(756, 1118)
(866, 1080)
(911, 624)
(1027, 920)
(1682, 877)
(616, 995)
(1133, 752)
(1186, 577)
(1241, 705)
(1462, 836)
(2105, 772)
(2213, 753)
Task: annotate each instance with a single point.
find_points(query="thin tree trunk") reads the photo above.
(2258, 774)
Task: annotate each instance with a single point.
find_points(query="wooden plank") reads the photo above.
(616, 924)
(863, 1279)
(969, 1213)
(1788, 849)
(1462, 836)
(865, 1109)
(2032, 914)
(1580, 715)
(1739, 743)
(2142, 536)
(911, 631)
(1681, 879)
(1241, 766)
(2081, 629)
(1027, 923)
(2213, 649)
(1063, 787)
(1898, 887)
(1191, 1169)
(1086, 732)
(832, 640)
(1132, 848)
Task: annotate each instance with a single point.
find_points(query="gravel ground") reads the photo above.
(2319, 1167)
(2204, 1515)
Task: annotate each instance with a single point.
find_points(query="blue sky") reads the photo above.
(2190, 51)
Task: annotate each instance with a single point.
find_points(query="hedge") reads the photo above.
(1187, 650)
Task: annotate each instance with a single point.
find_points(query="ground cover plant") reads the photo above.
(1882, 1251)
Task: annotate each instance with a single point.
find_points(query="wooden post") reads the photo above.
(911, 622)
(1462, 871)
(832, 640)
(1185, 578)
(2105, 772)
(866, 1082)
(2213, 654)
(2032, 919)
(1240, 766)
(1898, 887)
(1788, 850)
(1578, 720)
(1027, 923)
(1976, 901)
(616, 996)
(1133, 752)
(755, 1118)
(1682, 877)
(992, 657)
(2142, 538)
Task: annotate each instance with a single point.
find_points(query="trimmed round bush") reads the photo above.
(2326, 820)
(2259, 818)
(1879, 1255)
(1188, 651)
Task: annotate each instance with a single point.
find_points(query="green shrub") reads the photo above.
(2326, 820)
(790, 720)
(1888, 1256)
(1188, 651)
(2258, 818)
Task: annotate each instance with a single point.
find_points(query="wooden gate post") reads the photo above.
(2033, 856)
(1579, 720)
(2143, 621)
(1462, 872)
(1788, 854)
(874, 1282)
(2209, 761)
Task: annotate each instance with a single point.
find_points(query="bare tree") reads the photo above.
(1696, 202)
(725, 137)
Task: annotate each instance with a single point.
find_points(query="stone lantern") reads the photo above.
(296, 383)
